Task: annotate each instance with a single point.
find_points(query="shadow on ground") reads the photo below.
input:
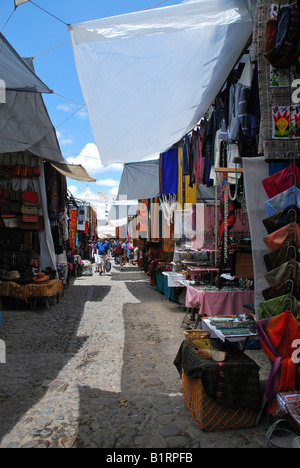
(38, 345)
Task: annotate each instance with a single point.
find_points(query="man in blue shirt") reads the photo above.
(103, 250)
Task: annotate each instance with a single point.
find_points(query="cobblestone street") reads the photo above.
(97, 371)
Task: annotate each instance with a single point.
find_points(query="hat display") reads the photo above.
(40, 278)
(9, 275)
(25, 278)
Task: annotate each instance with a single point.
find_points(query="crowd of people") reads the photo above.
(101, 251)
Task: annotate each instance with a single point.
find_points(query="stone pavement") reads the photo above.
(96, 371)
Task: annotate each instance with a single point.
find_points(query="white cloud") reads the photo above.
(108, 182)
(89, 158)
(73, 189)
(114, 191)
(81, 113)
(64, 140)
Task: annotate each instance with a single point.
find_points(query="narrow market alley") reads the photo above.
(96, 371)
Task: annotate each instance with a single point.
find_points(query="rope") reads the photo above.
(53, 16)
(8, 19)
(52, 48)
(153, 6)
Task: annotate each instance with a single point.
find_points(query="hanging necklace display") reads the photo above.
(216, 231)
(235, 196)
(225, 240)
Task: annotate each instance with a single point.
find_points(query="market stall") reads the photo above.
(33, 218)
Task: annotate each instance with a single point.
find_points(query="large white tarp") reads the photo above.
(148, 77)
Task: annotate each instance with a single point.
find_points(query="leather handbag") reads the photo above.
(30, 195)
(31, 222)
(29, 210)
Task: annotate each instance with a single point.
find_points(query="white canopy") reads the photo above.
(148, 77)
(139, 180)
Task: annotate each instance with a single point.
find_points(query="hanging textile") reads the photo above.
(290, 232)
(169, 172)
(282, 180)
(198, 139)
(276, 306)
(281, 201)
(168, 206)
(277, 335)
(282, 218)
(279, 256)
(279, 137)
(72, 227)
(288, 270)
(226, 213)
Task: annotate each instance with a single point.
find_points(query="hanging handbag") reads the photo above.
(282, 255)
(20, 169)
(286, 271)
(30, 195)
(34, 171)
(31, 222)
(29, 210)
(281, 181)
(277, 221)
(284, 235)
(277, 306)
(16, 207)
(108, 266)
(281, 201)
(28, 218)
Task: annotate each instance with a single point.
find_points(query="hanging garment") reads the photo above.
(281, 201)
(185, 194)
(277, 335)
(282, 180)
(288, 270)
(198, 140)
(278, 305)
(282, 288)
(169, 171)
(279, 256)
(282, 218)
(168, 207)
(226, 209)
(285, 235)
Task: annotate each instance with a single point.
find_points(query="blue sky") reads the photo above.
(32, 32)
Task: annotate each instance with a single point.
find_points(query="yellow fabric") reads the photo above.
(190, 192)
(23, 292)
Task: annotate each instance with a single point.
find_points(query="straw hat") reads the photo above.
(9, 275)
(40, 278)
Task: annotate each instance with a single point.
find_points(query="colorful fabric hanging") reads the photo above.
(282, 180)
(226, 213)
(285, 235)
(72, 227)
(277, 336)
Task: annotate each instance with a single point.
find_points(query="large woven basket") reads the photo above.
(195, 335)
(208, 414)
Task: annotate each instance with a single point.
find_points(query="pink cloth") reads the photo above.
(214, 303)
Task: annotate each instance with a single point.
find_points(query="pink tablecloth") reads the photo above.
(218, 302)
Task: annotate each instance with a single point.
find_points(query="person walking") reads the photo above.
(118, 251)
(123, 255)
(103, 252)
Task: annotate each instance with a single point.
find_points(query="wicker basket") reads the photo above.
(195, 335)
